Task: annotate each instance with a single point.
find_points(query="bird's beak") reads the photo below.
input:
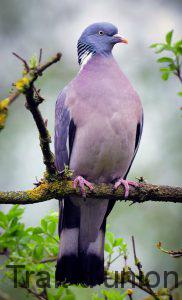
(120, 39)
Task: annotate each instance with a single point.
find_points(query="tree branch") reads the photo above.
(32, 105)
(173, 253)
(44, 137)
(33, 99)
(57, 189)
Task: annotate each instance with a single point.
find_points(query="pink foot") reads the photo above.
(81, 182)
(126, 184)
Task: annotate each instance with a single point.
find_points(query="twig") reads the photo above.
(23, 61)
(30, 291)
(12, 97)
(39, 98)
(131, 279)
(40, 56)
(53, 60)
(108, 262)
(173, 253)
(141, 276)
(130, 296)
(143, 288)
(50, 259)
(137, 262)
(114, 259)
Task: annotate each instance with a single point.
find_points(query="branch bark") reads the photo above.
(57, 189)
(44, 137)
(32, 105)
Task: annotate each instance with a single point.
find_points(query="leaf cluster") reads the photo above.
(36, 248)
(112, 243)
(172, 58)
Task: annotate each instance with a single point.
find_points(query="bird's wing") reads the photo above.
(65, 130)
(139, 130)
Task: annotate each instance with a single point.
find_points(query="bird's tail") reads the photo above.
(82, 234)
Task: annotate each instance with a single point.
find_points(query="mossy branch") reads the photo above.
(58, 188)
(33, 99)
(25, 86)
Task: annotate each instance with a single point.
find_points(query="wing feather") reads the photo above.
(65, 130)
(139, 130)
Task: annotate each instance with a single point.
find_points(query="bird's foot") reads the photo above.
(126, 184)
(81, 182)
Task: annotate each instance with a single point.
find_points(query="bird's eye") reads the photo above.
(101, 32)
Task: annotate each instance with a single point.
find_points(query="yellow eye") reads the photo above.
(101, 32)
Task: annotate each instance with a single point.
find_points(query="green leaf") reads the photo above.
(165, 76)
(37, 230)
(59, 292)
(178, 47)
(15, 211)
(3, 220)
(95, 296)
(165, 59)
(164, 69)
(160, 48)
(33, 62)
(113, 294)
(108, 248)
(154, 45)
(118, 242)
(37, 238)
(172, 67)
(44, 224)
(178, 44)
(50, 295)
(169, 37)
(110, 237)
(52, 227)
(38, 252)
(180, 94)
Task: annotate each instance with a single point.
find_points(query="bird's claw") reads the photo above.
(81, 182)
(126, 184)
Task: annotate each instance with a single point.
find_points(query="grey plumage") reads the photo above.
(97, 132)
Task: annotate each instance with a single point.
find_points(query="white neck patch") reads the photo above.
(85, 58)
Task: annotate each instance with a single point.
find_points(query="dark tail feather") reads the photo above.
(92, 260)
(82, 234)
(67, 269)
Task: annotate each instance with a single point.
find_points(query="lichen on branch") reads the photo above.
(59, 188)
(3, 112)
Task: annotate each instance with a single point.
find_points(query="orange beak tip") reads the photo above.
(123, 40)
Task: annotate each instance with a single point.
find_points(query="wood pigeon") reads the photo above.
(98, 126)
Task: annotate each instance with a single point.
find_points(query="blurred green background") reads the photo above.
(27, 26)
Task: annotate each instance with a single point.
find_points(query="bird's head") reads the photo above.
(98, 38)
